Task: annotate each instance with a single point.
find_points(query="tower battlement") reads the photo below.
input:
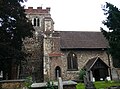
(38, 10)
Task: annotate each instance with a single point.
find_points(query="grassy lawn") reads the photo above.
(99, 85)
(80, 86)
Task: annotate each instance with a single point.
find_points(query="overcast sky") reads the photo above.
(74, 15)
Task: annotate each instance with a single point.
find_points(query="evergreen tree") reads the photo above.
(14, 27)
(113, 35)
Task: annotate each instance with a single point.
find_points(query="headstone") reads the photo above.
(88, 84)
(85, 80)
(108, 78)
(93, 79)
(114, 74)
(60, 84)
(1, 75)
(101, 79)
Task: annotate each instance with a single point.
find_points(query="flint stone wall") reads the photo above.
(82, 56)
(11, 84)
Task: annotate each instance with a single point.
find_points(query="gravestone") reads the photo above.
(60, 84)
(88, 84)
(115, 75)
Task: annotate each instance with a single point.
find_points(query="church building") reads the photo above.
(54, 54)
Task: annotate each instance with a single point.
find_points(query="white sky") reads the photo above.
(74, 15)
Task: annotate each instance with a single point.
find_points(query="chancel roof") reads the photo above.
(82, 40)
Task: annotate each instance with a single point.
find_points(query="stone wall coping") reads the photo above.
(65, 83)
(10, 81)
(69, 83)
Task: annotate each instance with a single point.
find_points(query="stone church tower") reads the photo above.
(34, 47)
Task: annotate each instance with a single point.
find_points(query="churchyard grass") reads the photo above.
(100, 84)
(80, 86)
(106, 84)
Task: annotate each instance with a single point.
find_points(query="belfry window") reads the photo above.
(72, 61)
(36, 22)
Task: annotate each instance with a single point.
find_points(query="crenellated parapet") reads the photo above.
(39, 10)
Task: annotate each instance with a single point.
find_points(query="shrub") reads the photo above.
(81, 74)
(28, 82)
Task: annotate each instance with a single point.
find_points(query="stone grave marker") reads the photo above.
(115, 74)
(60, 84)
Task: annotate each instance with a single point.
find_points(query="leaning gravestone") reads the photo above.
(88, 84)
(115, 75)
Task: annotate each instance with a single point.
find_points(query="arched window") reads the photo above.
(38, 22)
(72, 61)
(34, 22)
(57, 72)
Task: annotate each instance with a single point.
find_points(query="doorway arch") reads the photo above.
(57, 72)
